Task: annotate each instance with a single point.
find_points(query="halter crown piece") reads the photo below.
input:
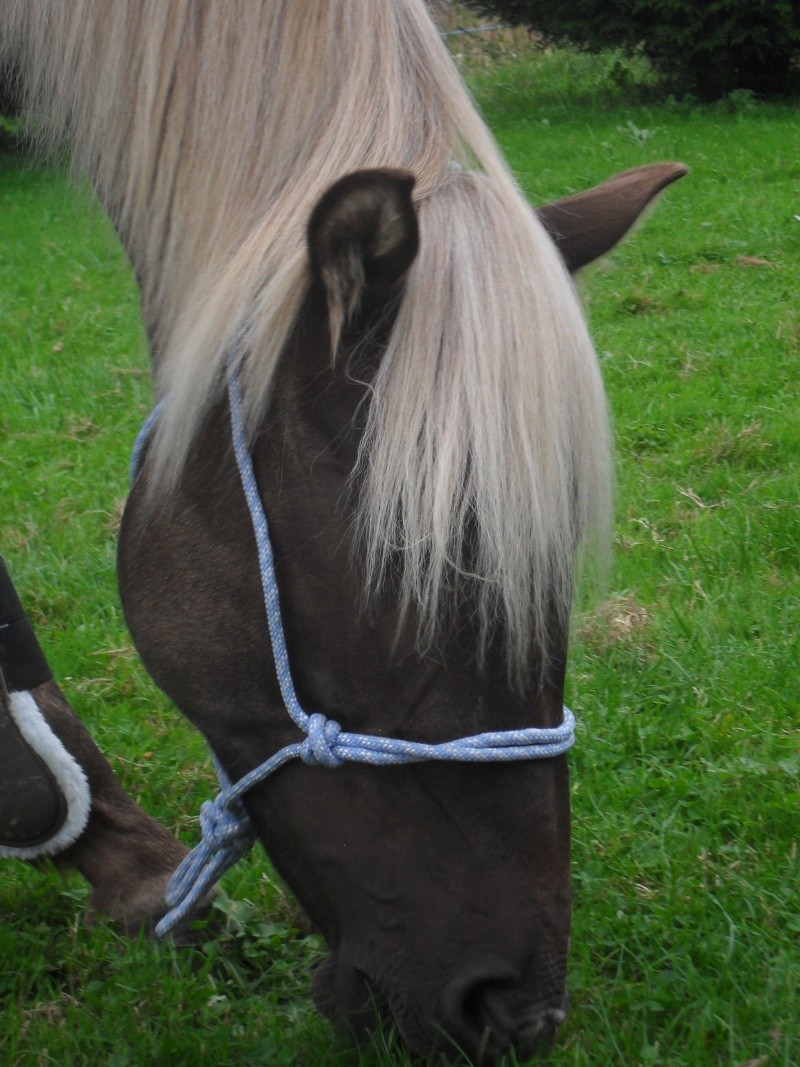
(227, 831)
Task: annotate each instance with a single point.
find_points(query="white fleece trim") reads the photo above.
(65, 769)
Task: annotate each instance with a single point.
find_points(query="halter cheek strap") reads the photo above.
(227, 831)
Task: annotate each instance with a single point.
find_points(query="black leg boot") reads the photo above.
(59, 796)
(44, 793)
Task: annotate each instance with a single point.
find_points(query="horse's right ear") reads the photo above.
(588, 224)
(362, 237)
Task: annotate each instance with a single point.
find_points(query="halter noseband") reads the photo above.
(227, 831)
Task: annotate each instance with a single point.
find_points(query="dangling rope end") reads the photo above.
(228, 835)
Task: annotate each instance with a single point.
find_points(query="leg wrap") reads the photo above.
(21, 658)
(44, 793)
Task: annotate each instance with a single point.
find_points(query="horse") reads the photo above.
(312, 196)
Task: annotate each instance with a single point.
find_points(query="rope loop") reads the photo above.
(320, 745)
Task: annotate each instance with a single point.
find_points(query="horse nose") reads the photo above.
(487, 1016)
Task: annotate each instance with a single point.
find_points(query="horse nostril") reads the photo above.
(486, 1008)
(487, 1017)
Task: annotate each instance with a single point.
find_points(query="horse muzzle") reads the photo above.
(488, 1012)
(483, 1014)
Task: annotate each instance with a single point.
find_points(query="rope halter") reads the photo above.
(227, 831)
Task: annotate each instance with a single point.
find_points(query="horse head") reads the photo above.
(442, 889)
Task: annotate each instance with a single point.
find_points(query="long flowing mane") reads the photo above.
(209, 130)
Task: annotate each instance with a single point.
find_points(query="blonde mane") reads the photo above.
(209, 130)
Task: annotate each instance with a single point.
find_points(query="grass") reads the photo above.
(684, 677)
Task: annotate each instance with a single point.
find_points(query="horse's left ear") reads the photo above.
(587, 225)
(362, 237)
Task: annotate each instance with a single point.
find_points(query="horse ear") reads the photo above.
(362, 237)
(587, 225)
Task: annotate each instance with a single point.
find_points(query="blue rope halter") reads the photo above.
(227, 831)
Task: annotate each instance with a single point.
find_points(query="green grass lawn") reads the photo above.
(684, 677)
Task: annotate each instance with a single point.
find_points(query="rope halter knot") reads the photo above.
(320, 745)
(222, 823)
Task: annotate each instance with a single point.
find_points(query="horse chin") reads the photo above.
(478, 1017)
